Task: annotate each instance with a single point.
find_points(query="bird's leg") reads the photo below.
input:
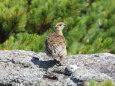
(58, 61)
(61, 60)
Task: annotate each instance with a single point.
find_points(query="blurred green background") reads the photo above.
(25, 24)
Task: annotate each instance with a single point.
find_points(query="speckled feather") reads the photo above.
(56, 45)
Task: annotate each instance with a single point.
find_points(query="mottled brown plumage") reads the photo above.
(56, 44)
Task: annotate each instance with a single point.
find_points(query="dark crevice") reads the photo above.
(77, 81)
(50, 76)
(6, 84)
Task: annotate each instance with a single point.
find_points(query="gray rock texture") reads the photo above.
(27, 68)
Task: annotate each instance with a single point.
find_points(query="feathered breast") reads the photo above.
(56, 45)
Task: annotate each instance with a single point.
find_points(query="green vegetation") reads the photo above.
(25, 24)
(104, 83)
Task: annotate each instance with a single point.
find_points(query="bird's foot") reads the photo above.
(58, 63)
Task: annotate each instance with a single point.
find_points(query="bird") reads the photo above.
(55, 44)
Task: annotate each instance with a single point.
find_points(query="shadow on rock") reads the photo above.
(6, 84)
(44, 64)
(77, 81)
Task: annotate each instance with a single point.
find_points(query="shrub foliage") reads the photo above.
(24, 24)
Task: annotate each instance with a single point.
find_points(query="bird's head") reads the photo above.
(59, 26)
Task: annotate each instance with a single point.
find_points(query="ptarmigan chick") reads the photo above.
(56, 44)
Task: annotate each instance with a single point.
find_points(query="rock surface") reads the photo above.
(27, 68)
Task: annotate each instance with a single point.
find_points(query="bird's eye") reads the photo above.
(60, 25)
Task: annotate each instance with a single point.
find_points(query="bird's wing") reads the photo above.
(47, 48)
(56, 45)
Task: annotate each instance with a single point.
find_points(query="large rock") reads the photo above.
(27, 68)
